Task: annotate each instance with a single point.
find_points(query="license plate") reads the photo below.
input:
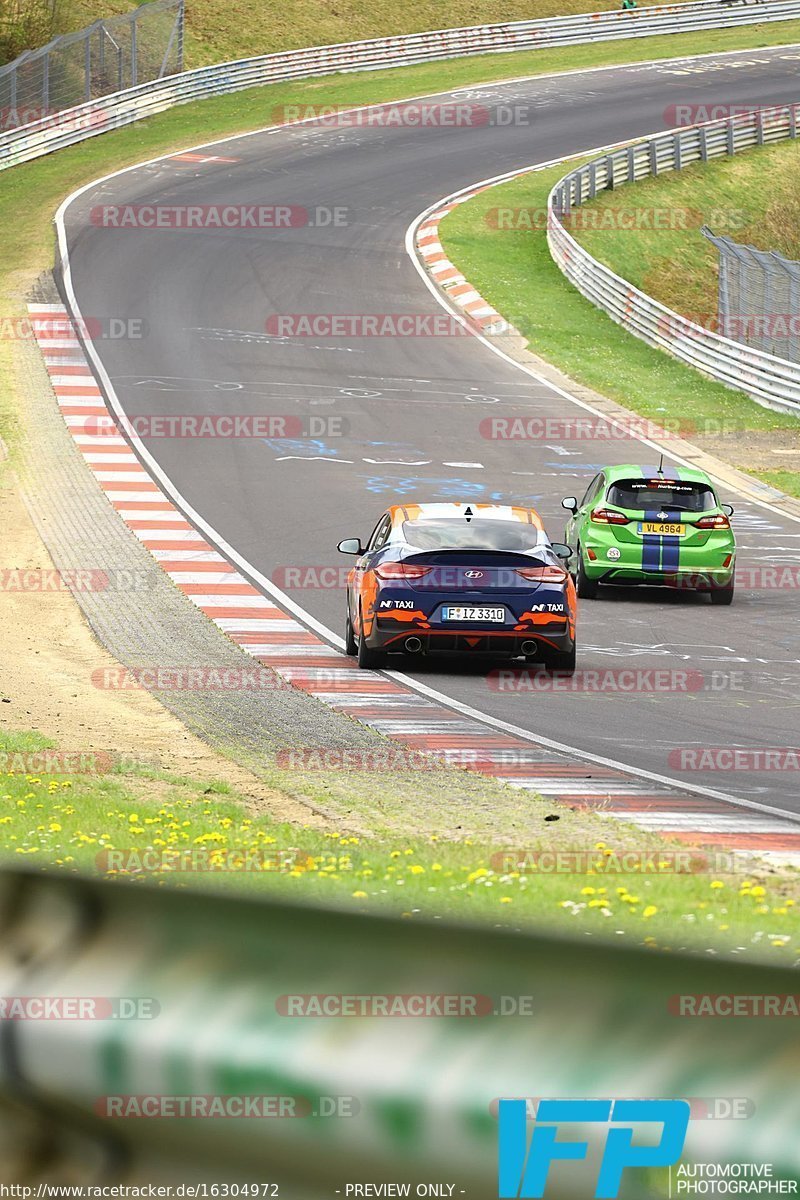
(461, 613)
(662, 529)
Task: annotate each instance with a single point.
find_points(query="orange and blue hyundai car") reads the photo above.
(460, 579)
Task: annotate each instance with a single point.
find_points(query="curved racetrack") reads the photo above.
(413, 405)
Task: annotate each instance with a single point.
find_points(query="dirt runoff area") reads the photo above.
(49, 654)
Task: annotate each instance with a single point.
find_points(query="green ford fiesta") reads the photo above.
(652, 525)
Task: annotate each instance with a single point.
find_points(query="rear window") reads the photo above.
(449, 534)
(645, 494)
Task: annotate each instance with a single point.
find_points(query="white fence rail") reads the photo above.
(771, 381)
(88, 120)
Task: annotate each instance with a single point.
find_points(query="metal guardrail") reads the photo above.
(223, 984)
(134, 104)
(772, 381)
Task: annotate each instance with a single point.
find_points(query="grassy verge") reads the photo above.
(107, 825)
(217, 30)
(513, 270)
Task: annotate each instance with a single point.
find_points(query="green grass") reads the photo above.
(513, 270)
(79, 824)
(784, 481)
(217, 30)
(752, 198)
(515, 273)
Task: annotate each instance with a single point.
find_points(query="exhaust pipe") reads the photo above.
(529, 648)
(413, 645)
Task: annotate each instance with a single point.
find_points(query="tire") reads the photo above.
(368, 660)
(563, 661)
(350, 643)
(722, 595)
(585, 587)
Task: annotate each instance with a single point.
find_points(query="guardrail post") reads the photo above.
(677, 147)
(703, 143)
(610, 172)
(653, 158)
(792, 120)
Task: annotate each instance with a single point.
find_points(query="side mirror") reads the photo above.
(561, 550)
(570, 503)
(727, 509)
(350, 546)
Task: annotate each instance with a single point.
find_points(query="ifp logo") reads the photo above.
(524, 1169)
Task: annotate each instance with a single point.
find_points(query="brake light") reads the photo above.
(397, 570)
(542, 574)
(607, 516)
(720, 521)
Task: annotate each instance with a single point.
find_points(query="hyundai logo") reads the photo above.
(473, 574)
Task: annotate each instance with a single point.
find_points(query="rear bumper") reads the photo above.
(687, 567)
(498, 643)
(682, 581)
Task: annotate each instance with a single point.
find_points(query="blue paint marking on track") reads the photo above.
(441, 488)
(301, 447)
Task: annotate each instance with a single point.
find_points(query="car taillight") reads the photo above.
(397, 570)
(720, 521)
(542, 574)
(607, 516)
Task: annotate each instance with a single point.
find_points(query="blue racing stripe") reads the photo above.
(651, 547)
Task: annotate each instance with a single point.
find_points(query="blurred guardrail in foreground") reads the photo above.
(133, 104)
(214, 997)
(773, 381)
